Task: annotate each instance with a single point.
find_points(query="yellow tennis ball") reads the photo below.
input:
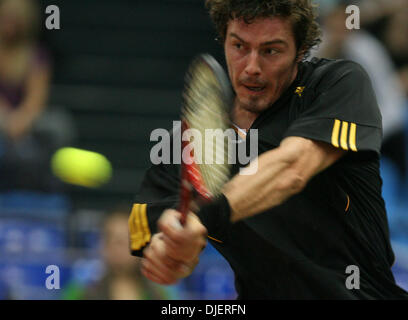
(81, 167)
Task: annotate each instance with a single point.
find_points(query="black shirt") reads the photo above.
(302, 248)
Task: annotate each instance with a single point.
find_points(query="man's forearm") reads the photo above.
(275, 181)
(282, 173)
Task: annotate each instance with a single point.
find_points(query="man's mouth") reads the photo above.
(255, 88)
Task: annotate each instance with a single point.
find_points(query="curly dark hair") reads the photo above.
(302, 13)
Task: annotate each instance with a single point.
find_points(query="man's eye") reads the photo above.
(238, 46)
(271, 51)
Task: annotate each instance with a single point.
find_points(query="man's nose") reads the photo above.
(253, 67)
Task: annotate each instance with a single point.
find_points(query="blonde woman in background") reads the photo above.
(25, 73)
(24, 67)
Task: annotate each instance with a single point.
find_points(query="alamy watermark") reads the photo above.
(353, 280)
(208, 147)
(52, 282)
(353, 19)
(53, 21)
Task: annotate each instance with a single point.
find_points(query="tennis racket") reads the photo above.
(207, 98)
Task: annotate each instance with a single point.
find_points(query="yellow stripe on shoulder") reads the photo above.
(344, 135)
(336, 133)
(353, 134)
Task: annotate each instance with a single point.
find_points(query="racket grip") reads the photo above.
(185, 197)
(183, 217)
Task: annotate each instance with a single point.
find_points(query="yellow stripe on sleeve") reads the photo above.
(133, 232)
(145, 225)
(335, 133)
(139, 227)
(130, 222)
(136, 232)
(353, 134)
(344, 134)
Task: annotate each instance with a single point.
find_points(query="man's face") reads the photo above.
(261, 59)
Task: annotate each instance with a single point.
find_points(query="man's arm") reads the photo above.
(282, 173)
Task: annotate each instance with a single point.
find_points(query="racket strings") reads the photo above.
(204, 109)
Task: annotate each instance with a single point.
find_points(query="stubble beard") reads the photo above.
(253, 104)
(259, 104)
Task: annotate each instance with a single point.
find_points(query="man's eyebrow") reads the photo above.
(268, 43)
(238, 37)
(277, 41)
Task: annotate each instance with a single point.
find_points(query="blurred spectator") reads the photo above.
(395, 36)
(25, 73)
(374, 11)
(122, 279)
(363, 48)
(388, 21)
(24, 68)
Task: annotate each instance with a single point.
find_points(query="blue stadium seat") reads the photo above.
(32, 237)
(389, 175)
(34, 204)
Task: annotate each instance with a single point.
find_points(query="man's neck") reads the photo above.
(242, 117)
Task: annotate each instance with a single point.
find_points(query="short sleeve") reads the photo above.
(159, 191)
(340, 108)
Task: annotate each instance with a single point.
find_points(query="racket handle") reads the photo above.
(185, 197)
(183, 217)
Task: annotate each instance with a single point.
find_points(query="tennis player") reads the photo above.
(313, 211)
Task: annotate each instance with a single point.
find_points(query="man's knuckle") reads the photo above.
(203, 230)
(161, 224)
(152, 248)
(147, 255)
(147, 252)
